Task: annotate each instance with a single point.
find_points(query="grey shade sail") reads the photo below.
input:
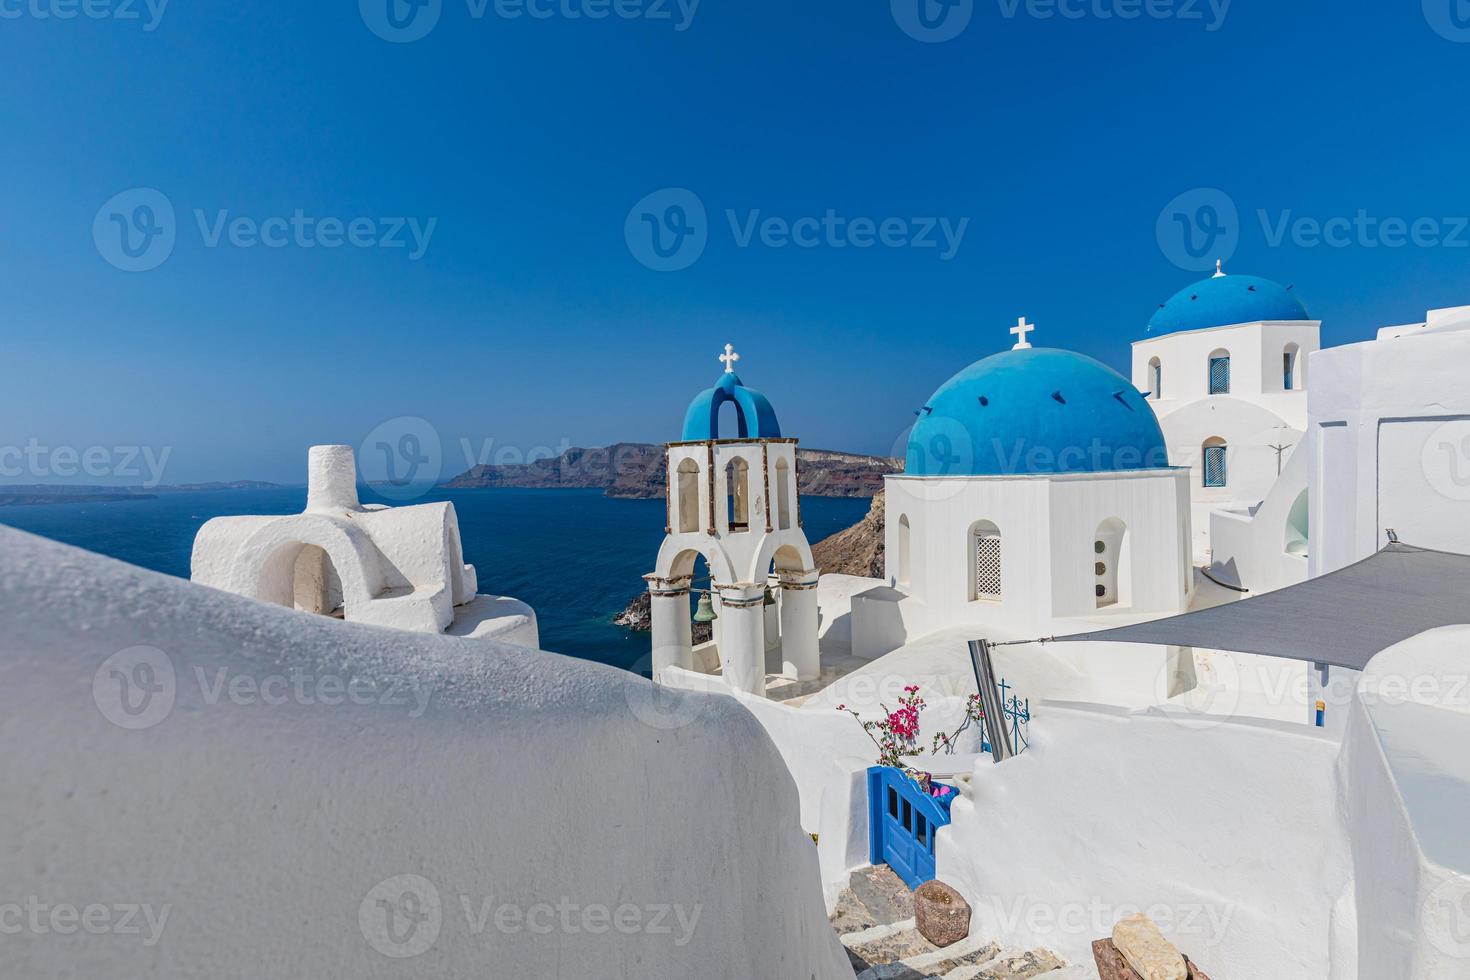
(1343, 618)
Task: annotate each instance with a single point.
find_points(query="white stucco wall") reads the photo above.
(549, 817)
(1391, 434)
(1239, 860)
(1048, 527)
(1404, 781)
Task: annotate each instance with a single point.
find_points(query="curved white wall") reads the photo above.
(529, 790)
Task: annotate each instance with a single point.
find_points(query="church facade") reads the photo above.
(1037, 485)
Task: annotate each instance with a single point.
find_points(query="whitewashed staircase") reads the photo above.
(875, 921)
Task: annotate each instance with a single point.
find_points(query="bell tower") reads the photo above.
(732, 499)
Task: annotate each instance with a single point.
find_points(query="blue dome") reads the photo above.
(1224, 301)
(1035, 410)
(755, 418)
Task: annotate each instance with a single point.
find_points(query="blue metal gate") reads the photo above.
(902, 820)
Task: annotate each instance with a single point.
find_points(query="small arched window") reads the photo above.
(783, 495)
(986, 577)
(1156, 378)
(1215, 471)
(687, 493)
(737, 492)
(1290, 358)
(1220, 372)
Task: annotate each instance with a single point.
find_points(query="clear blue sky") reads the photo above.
(529, 320)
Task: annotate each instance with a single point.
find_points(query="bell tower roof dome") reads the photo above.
(754, 416)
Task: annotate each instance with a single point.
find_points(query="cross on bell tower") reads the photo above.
(729, 357)
(1021, 329)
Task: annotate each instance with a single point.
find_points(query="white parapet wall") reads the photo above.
(1404, 780)
(276, 793)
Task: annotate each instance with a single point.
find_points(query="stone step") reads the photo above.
(874, 918)
(1012, 966)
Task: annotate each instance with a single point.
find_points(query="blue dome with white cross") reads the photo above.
(754, 416)
(1223, 301)
(1031, 411)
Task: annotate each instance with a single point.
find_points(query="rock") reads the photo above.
(1146, 950)
(1112, 966)
(942, 915)
(638, 617)
(856, 551)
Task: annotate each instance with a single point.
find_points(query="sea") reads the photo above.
(577, 556)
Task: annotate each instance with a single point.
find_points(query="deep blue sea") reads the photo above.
(575, 555)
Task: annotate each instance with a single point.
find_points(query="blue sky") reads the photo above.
(524, 143)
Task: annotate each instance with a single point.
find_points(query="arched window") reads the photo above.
(985, 564)
(1113, 579)
(1156, 378)
(904, 546)
(1215, 471)
(737, 494)
(1289, 367)
(688, 496)
(1220, 372)
(783, 495)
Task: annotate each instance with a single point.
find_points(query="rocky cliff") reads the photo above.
(857, 550)
(636, 471)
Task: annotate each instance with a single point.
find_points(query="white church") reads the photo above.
(1224, 607)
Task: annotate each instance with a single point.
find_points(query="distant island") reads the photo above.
(635, 471)
(29, 495)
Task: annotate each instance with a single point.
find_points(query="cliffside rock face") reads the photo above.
(638, 617)
(856, 551)
(635, 470)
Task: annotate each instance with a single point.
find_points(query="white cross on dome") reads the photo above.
(1021, 329)
(729, 357)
